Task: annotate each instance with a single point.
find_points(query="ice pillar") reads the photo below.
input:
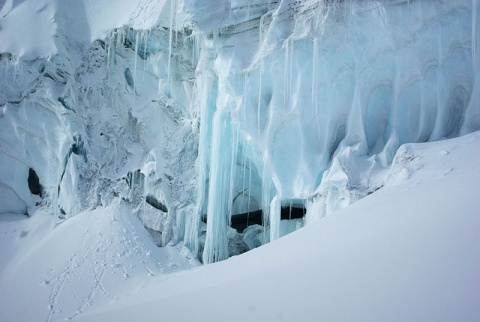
(207, 100)
(222, 166)
(275, 209)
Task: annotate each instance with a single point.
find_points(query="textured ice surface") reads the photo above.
(218, 108)
(323, 96)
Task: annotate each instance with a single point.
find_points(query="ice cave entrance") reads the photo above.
(290, 211)
(255, 228)
(292, 217)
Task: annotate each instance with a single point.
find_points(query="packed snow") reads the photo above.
(141, 139)
(64, 267)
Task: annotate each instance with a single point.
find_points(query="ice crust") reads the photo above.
(219, 108)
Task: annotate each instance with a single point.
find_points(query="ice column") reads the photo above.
(173, 10)
(222, 166)
(207, 95)
(275, 209)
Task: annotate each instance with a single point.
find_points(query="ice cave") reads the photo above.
(220, 126)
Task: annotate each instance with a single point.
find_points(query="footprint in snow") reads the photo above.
(23, 234)
(448, 171)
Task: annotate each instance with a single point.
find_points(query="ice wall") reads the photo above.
(322, 94)
(198, 110)
(99, 119)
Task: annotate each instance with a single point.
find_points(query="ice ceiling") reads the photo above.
(194, 111)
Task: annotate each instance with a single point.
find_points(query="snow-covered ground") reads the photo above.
(408, 252)
(52, 269)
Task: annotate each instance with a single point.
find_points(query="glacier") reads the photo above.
(194, 111)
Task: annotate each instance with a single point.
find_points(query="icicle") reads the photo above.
(290, 210)
(207, 101)
(243, 174)
(249, 184)
(193, 48)
(219, 202)
(286, 88)
(474, 34)
(145, 45)
(260, 81)
(109, 46)
(15, 71)
(135, 64)
(290, 75)
(259, 106)
(170, 38)
(121, 38)
(275, 210)
(233, 168)
(314, 75)
(176, 24)
(314, 83)
(266, 198)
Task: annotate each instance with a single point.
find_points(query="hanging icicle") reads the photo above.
(220, 187)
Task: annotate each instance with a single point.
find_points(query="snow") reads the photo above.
(53, 269)
(39, 26)
(408, 252)
(31, 29)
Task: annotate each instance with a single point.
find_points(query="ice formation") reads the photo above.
(197, 110)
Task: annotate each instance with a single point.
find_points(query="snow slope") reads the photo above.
(53, 269)
(408, 252)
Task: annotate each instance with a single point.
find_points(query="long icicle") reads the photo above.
(474, 34)
(170, 39)
(135, 63)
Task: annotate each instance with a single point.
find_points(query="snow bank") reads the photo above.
(54, 269)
